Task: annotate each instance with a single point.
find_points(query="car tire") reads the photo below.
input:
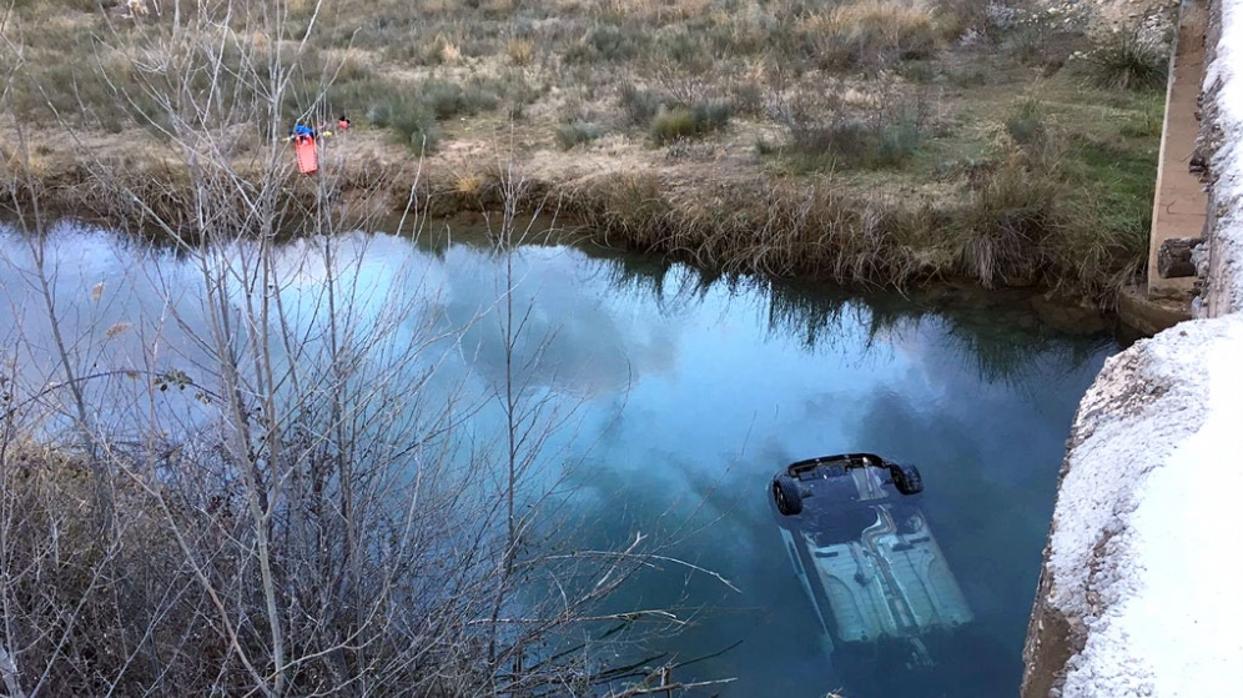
(907, 479)
(787, 496)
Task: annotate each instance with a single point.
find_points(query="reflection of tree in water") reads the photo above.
(671, 284)
(1016, 354)
(1002, 337)
(997, 331)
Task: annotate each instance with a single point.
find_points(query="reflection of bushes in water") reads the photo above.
(1011, 353)
(999, 335)
(799, 311)
(634, 274)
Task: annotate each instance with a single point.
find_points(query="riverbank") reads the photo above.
(984, 146)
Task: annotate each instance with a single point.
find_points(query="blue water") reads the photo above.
(677, 396)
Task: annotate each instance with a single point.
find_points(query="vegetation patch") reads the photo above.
(449, 99)
(682, 122)
(1125, 62)
(828, 135)
(1026, 123)
(408, 119)
(639, 106)
(605, 42)
(577, 133)
(868, 33)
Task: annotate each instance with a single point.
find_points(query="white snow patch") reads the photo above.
(1143, 549)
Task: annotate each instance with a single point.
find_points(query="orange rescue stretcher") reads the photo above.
(306, 150)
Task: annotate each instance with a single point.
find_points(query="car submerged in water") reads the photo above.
(862, 550)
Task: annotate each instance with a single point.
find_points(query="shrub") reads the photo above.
(919, 71)
(673, 124)
(1026, 123)
(520, 51)
(747, 98)
(517, 93)
(1001, 230)
(468, 184)
(449, 99)
(639, 105)
(412, 123)
(577, 133)
(968, 76)
(685, 49)
(1126, 62)
(844, 142)
(605, 42)
(956, 18)
(1040, 39)
(440, 51)
(341, 67)
(682, 122)
(739, 34)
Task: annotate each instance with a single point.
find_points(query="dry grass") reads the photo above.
(782, 230)
(520, 51)
(872, 32)
(655, 11)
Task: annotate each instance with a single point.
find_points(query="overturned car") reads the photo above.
(864, 553)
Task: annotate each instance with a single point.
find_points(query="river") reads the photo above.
(678, 395)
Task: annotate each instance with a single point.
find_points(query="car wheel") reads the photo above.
(907, 479)
(785, 492)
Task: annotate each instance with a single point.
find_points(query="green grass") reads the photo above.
(1117, 181)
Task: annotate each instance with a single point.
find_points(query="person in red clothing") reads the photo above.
(343, 124)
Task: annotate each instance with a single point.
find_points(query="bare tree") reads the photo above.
(279, 503)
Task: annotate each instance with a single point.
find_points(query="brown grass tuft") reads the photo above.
(520, 51)
(870, 32)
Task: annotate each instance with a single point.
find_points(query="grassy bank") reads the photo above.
(879, 141)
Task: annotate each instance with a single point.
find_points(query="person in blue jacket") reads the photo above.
(301, 130)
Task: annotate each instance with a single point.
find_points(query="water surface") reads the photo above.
(685, 394)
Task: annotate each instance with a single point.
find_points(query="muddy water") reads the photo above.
(680, 395)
